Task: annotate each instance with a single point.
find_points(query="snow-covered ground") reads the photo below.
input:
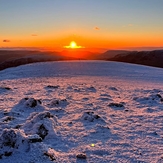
(81, 112)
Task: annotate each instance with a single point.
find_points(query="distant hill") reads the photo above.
(13, 58)
(14, 54)
(149, 58)
(110, 54)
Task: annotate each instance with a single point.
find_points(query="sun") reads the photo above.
(73, 45)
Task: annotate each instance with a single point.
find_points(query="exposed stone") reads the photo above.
(90, 116)
(31, 102)
(7, 88)
(81, 156)
(116, 105)
(8, 138)
(8, 118)
(53, 87)
(42, 131)
(50, 155)
(35, 138)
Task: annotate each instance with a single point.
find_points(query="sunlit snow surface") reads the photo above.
(57, 111)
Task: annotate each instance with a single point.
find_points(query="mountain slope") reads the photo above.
(111, 53)
(150, 58)
(13, 58)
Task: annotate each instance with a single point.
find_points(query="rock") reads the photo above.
(50, 155)
(61, 103)
(4, 89)
(8, 118)
(8, 141)
(6, 113)
(18, 126)
(8, 138)
(90, 116)
(34, 138)
(7, 153)
(91, 89)
(116, 105)
(159, 96)
(42, 131)
(81, 156)
(12, 140)
(53, 87)
(31, 102)
(55, 103)
(7, 88)
(113, 88)
(42, 124)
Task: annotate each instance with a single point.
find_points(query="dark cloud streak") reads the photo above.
(96, 28)
(6, 40)
(34, 35)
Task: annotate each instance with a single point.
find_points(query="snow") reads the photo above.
(81, 112)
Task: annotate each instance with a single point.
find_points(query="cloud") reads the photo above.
(130, 25)
(6, 40)
(96, 28)
(34, 35)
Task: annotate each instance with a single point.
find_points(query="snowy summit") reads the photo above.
(81, 112)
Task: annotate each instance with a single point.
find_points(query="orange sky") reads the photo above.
(107, 25)
(114, 42)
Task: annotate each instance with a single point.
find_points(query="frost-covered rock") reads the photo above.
(4, 89)
(51, 154)
(42, 124)
(12, 140)
(113, 88)
(31, 102)
(91, 116)
(34, 138)
(116, 105)
(42, 131)
(91, 89)
(53, 86)
(81, 156)
(7, 119)
(27, 105)
(150, 100)
(58, 103)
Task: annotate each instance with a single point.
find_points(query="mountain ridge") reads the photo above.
(12, 58)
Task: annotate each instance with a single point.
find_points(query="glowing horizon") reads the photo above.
(54, 24)
(73, 45)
